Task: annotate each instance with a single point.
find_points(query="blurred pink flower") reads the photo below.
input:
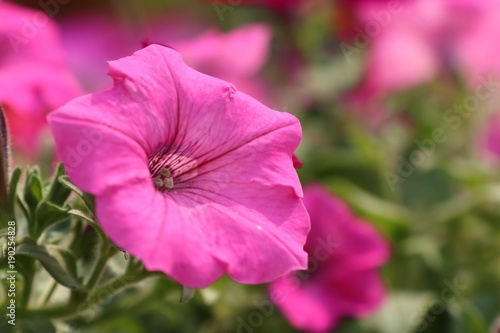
(342, 279)
(191, 176)
(90, 40)
(489, 139)
(236, 56)
(33, 77)
(416, 41)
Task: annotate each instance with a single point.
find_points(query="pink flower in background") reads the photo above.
(191, 176)
(90, 40)
(489, 139)
(237, 56)
(342, 279)
(421, 40)
(33, 77)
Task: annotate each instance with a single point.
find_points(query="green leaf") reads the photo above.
(387, 215)
(58, 193)
(58, 262)
(473, 319)
(425, 189)
(87, 198)
(7, 212)
(22, 205)
(5, 327)
(33, 190)
(14, 180)
(48, 213)
(35, 325)
(91, 222)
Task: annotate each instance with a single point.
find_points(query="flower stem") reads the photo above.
(46, 297)
(97, 271)
(106, 251)
(99, 295)
(28, 284)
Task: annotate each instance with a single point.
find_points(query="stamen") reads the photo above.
(163, 182)
(169, 182)
(158, 182)
(164, 166)
(165, 172)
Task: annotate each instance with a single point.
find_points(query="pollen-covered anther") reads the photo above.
(163, 182)
(165, 172)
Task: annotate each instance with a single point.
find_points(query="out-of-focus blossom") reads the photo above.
(495, 327)
(190, 175)
(489, 139)
(33, 75)
(92, 39)
(342, 279)
(416, 41)
(236, 56)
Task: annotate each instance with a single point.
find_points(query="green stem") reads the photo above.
(106, 252)
(109, 289)
(99, 295)
(28, 285)
(97, 271)
(50, 292)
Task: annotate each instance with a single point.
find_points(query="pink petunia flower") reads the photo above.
(33, 76)
(90, 40)
(414, 42)
(342, 279)
(236, 56)
(489, 139)
(191, 176)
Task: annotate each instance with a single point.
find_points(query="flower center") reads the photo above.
(163, 182)
(171, 171)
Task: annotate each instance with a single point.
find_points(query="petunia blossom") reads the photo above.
(489, 139)
(91, 39)
(33, 75)
(190, 175)
(415, 42)
(236, 56)
(342, 279)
